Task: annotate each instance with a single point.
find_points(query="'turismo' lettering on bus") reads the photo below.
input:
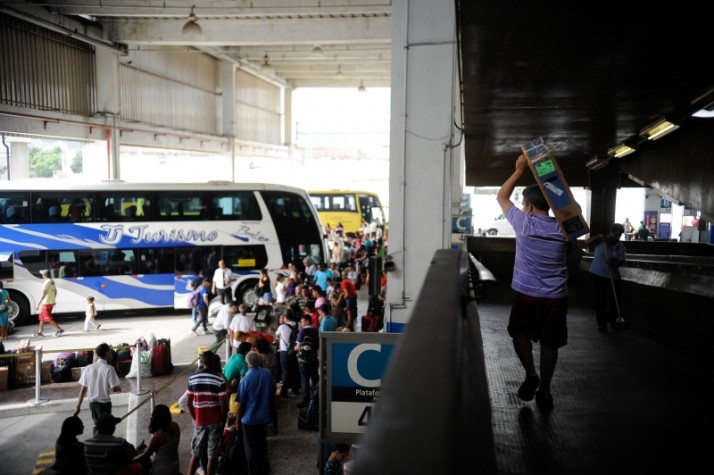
(139, 234)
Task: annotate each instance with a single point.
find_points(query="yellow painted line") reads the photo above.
(44, 460)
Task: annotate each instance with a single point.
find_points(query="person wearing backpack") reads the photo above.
(287, 336)
(306, 347)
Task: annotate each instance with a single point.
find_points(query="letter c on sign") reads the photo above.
(352, 365)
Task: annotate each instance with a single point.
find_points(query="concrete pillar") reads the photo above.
(227, 111)
(108, 105)
(422, 155)
(288, 137)
(19, 159)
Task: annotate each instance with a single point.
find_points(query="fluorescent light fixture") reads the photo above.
(705, 113)
(620, 151)
(596, 163)
(659, 129)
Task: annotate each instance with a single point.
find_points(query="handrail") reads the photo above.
(434, 411)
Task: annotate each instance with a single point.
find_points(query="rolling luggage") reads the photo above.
(161, 358)
(371, 322)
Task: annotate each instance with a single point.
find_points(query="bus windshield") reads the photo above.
(352, 210)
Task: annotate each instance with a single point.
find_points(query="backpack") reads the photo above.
(192, 298)
(308, 417)
(308, 351)
(293, 339)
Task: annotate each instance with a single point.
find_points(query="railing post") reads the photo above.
(38, 377)
(139, 391)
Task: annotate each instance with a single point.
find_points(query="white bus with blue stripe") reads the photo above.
(139, 246)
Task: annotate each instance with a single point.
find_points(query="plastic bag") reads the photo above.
(145, 365)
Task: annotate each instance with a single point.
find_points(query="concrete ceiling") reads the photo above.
(584, 77)
(305, 43)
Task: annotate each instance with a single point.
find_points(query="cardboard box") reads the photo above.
(4, 375)
(46, 372)
(25, 366)
(76, 373)
(555, 189)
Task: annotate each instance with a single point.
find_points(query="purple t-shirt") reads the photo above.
(540, 268)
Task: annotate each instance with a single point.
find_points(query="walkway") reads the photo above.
(624, 403)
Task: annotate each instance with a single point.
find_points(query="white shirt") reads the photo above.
(222, 276)
(283, 334)
(99, 378)
(223, 318)
(242, 323)
(281, 291)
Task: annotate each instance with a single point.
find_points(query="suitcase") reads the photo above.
(161, 358)
(123, 367)
(83, 358)
(61, 373)
(371, 323)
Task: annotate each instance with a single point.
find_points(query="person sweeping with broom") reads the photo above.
(605, 267)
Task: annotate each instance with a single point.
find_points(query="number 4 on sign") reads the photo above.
(365, 416)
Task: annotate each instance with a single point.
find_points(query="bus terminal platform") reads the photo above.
(623, 402)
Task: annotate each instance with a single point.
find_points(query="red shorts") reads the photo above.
(541, 319)
(46, 313)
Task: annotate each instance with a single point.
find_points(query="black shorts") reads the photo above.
(541, 319)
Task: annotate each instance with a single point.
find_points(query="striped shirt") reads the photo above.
(206, 397)
(105, 454)
(540, 268)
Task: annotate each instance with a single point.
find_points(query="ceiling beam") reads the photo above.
(213, 8)
(259, 33)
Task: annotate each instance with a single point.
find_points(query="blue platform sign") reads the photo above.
(354, 377)
(461, 224)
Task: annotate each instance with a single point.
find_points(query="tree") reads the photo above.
(76, 166)
(44, 163)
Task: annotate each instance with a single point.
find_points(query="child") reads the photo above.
(90, 315)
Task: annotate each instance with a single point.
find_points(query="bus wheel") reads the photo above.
(19, 309)
(247, 295)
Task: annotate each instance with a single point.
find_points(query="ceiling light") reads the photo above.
(596, 163)
(339, 74)
(191, 29)
(317, 51)
(621, 151)
(659, 129)
(266, 67)
(361, 87)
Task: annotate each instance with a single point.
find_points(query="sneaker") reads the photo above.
(193, 332)
(38, 334)
(58, 333)
(98, 327)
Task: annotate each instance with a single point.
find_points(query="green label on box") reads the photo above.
(546, 167)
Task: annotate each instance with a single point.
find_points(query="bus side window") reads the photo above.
(77, 211)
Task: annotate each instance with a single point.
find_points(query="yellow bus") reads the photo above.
(349, 208)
